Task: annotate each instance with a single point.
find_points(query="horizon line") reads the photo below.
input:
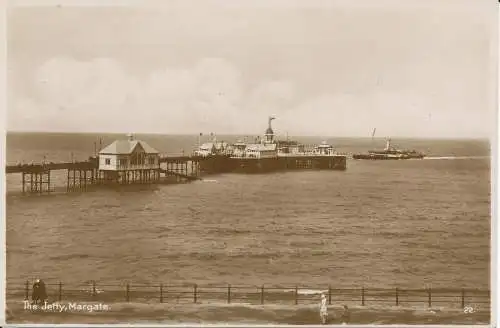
(250, 134)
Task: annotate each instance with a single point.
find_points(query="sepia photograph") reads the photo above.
(251, 162)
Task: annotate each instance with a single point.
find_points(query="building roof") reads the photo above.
(216, 145)
(261, 147)
(119, 147)
(207, 145)
(324, 144)
(288, 143)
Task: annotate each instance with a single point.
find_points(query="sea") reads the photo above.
(379, 224)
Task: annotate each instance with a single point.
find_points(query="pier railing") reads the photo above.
(259, 295)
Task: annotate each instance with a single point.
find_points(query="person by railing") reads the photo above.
(346, 316)
(39, 292)
(323, 310)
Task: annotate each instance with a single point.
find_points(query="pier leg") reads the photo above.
(85, 179)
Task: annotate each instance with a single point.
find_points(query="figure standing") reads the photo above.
(323, 310)
(346, 316)
(39, 293)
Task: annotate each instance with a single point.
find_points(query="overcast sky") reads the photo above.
(336, 68)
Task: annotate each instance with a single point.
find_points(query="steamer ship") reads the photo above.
(389, 153)
(267, 154)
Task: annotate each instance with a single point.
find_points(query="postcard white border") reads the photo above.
(495, 51)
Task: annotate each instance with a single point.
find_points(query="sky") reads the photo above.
(328, 68)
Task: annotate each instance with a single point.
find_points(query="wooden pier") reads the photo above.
(82, 175)
(36, 181)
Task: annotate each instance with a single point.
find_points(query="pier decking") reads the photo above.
(40, 167)
(36, 177)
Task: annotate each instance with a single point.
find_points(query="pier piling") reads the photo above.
(36, 180)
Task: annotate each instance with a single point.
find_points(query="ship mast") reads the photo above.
(388, 144)
(373, 136)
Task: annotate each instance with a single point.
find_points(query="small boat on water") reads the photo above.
(389, 153)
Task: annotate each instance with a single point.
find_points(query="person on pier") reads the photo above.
(323, 310)
(39, 292)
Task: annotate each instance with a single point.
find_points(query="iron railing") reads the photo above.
(264, 294)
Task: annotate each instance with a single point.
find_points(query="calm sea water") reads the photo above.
(378, 224)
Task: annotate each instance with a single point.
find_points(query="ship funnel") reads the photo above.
(388, 144)
(130, 137)
(269, 132)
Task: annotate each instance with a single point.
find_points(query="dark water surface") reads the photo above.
(378, 224)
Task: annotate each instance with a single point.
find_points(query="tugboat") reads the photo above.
(389, 153)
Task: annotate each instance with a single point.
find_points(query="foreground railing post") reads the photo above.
(27, 290)
(363, 296)
(127, 292)
(397, 296)
(296, 295)
(429, 294)
(60, 291)
(94, 291)
(262, 294)
(463, 298)
(195, 293)
(329, 295)
(228, 294)
(161, 293)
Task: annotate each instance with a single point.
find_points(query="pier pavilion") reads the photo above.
(129, 161)
(125, 161)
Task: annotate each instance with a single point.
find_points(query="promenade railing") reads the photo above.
(264, 294)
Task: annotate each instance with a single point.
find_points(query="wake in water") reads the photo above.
(457, 157)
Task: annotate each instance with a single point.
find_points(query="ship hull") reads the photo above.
(255, 165)
(216, 164)
(385, 157)
(379, 157)
(264, 165)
